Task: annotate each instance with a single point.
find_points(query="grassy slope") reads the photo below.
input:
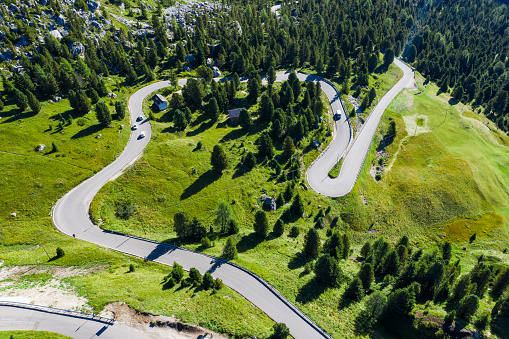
(33, 181)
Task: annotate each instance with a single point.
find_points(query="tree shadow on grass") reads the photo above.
(310, 291)
(248, 242)
(170, 129)
(381, 69)
(234, 134)
(453, 101)
(203, 127)
(298, 261)
(88, 131)
(23, 115)
(203, 181)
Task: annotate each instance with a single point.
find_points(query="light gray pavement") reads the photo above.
(71, 213)
(24, 319)
(317, 174)
(71, 217)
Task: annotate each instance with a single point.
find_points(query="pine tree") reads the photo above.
(346, 246)
(312, 243)
(388, 57)
(120, 109)
(181, 225)
(212, 109)
(179, 120)
(334, 245)
(208, 281)
(218, 159)
(222, 215)
(20, 99)
(365, 250)
(461, 288)
(230, 249)
(365, 103)
(400, 303)
(279, 228)
(297, 208)
(372, 95)
(446, 252)
(34, 104)
(192, 93)
(501, 282)
(366, 275)
(271, 75)
(265, 148)
(467, 307)
(261, 224)
(245, 120)
(328, 271)
(355, 291)
(266, 111)
(250, 160)
(288, 148)
(103, 113)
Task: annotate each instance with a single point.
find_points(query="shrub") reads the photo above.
(281, 331)
(82, 122)
(218, 284)
(177, 272)
(131, 268)
(205, 242)
(125, 209)
(230, 249)
(309, 267)
(294, 232)
(199, 145)
(60, 252)
(208, 281)
(195, 275)
(355, 291)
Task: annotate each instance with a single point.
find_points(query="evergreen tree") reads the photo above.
(179, 120)
(281, 331)
(400, 303)
(372, 95)
(288, 148)
(501, 283)
(245, 120)
(375, 304)
(334, 246)
(20, 99)
(312, 243)
(461, 288)
(177, 272)
(261, 224)
(34, 104)
(249, 160)
(208, 281)
(297, 208)
(212, 110)
(265, 147)
(266, 111)
(120, 109)
(365, 103)
(390, 264)
(230, 249)
(192, 93)
(94, 97)
(195, 275)
(366, 275)
(355, 291)
(346, 246)
(181, 225)
(446, 252)
(388, 57)
(222, 215)
(365, 250)
(279, 228)
(103, 113)
(467, 307)
(288, 194)
(218, 159)
(328, 271)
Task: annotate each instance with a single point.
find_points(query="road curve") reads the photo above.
(317, 174)
(20, 318)
(71, 213)
(71, 217)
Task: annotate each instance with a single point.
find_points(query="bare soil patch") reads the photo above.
(154, 326)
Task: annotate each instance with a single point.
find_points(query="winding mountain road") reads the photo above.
(317, 174)
(71, 213)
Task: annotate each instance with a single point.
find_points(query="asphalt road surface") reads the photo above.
(71, 216)
(23, 319)
(317, 174)
(71, 213)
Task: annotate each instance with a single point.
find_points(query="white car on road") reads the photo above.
(337, 116)
(142, 135)
(135, 127)
(140, 118)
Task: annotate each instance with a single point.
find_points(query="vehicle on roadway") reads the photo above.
(142, 135)
(337, 116)
(140, 118)
(135, 127)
